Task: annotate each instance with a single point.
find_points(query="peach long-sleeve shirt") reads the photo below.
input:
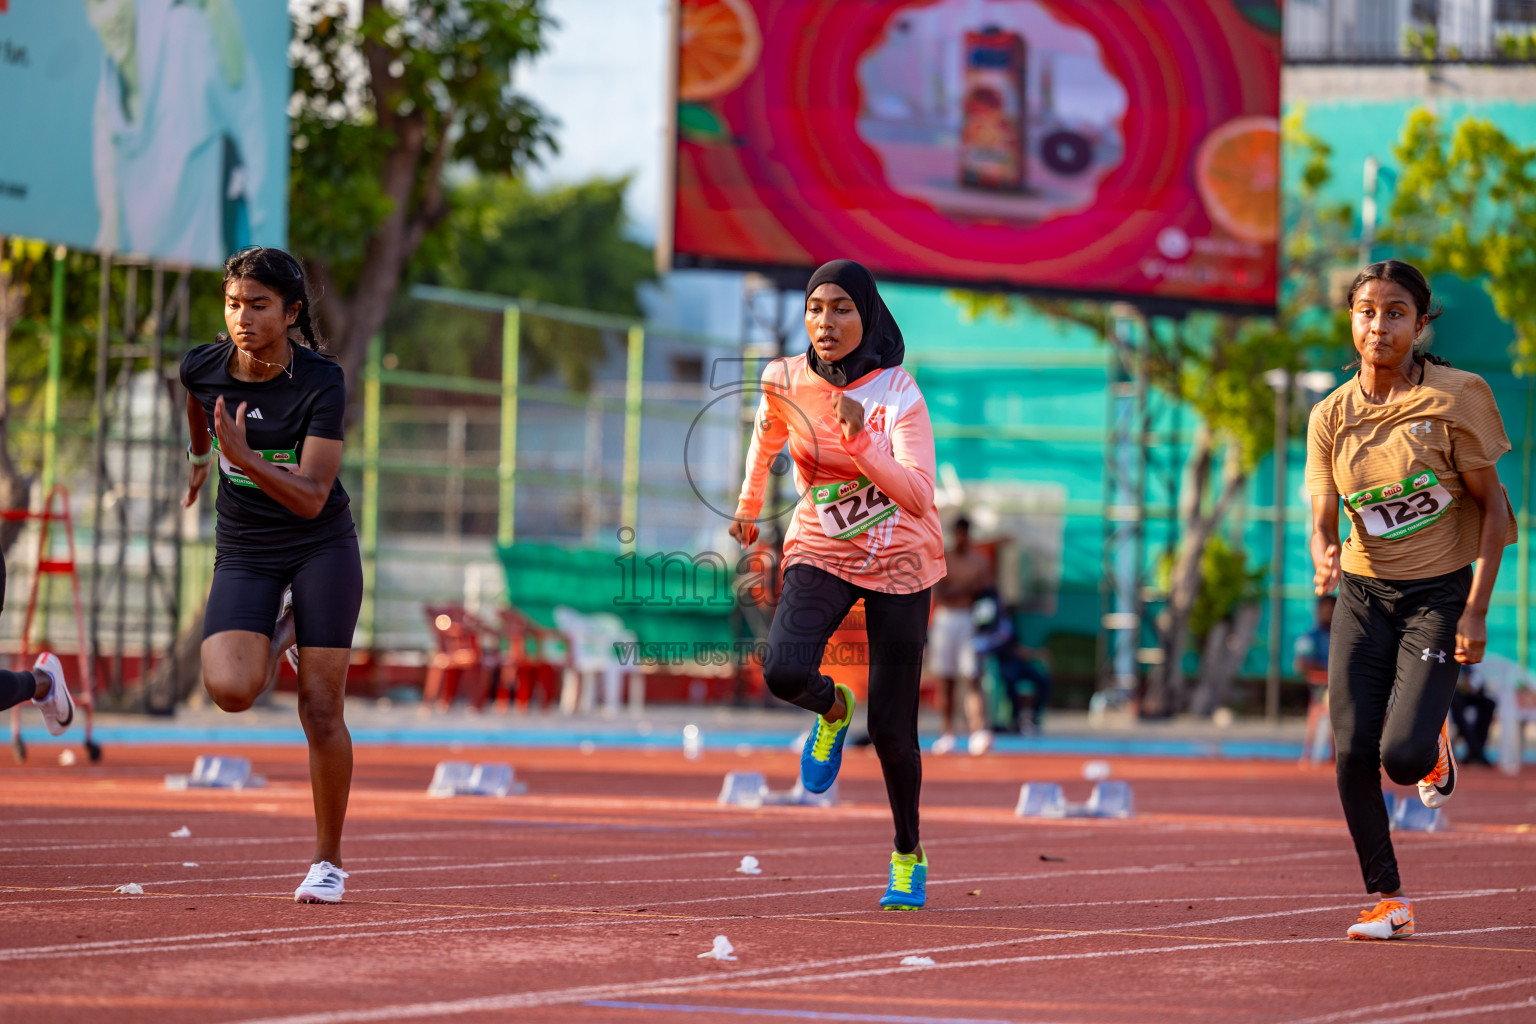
(865, 511)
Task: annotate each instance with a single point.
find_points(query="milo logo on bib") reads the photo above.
(849, 507)
(285, 457)
(1393, 511)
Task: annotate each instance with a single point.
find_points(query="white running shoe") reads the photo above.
(980, 742)
(1436, 788)
(323, 884)
(944, 744)
(1389, 919)
(57, 706)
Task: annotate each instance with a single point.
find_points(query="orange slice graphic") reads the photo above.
(720, 45)
(1237, 170)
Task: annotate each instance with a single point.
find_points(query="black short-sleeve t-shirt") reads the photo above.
(280, 413)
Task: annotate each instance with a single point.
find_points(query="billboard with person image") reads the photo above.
(157, 128)
(1122, 147)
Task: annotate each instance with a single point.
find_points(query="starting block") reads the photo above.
(799, 796)
(1109, 799)
(1041, 800)
(211, 771)
(460, 778)
(750, 789)
(743, 789)
(1408, 814)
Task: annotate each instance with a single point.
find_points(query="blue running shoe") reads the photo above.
(823, 753)
(908, 888)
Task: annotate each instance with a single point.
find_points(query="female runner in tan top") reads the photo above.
(1408, 446)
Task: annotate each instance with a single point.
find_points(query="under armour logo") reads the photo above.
(1437, 655)
(254, 414)
(1419, 427)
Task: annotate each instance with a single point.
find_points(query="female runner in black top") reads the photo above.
(275, 405)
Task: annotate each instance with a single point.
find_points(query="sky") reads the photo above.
(604, 79)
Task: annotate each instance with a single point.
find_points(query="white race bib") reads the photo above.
(1394, 511)
(849, 507)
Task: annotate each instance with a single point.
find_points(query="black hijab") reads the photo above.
(882, 346)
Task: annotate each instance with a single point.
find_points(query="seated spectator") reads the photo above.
(1018, 666)
(1471, 696)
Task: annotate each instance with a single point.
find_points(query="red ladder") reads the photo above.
(47, 565)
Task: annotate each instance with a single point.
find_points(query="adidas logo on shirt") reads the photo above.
(254, 414)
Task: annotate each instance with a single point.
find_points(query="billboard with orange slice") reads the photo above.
(1124, 148)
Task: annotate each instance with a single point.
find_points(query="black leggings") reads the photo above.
(812, 605)
(1391, 673)
(15, 687)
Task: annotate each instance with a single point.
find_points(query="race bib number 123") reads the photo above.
(1394, 511)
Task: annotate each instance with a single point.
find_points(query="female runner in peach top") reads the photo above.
(865, 527)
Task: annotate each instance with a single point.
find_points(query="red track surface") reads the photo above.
(1225, 899)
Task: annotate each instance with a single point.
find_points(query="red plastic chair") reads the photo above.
(533, 659)
(462, 661)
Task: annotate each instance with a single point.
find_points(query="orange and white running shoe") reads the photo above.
(1436, 788)
(1389, 919)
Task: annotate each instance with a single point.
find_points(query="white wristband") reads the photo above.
(199, 460)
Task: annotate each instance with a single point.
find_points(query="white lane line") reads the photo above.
(1524, 1004)
(734, 978)
(1460, 993)
(392, 928)
(221, 863)
(733, 854)
(1101, 954)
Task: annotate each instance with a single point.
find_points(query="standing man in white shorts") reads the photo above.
(951, 653)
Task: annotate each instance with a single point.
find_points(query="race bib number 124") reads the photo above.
(849, 507)
(1394, 511)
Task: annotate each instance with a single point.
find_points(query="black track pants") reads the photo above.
(15, 687)
(812, 605)
(1391, 673)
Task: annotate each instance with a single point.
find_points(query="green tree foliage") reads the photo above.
(383, 106)
(26, 296)
(1466, 205)
(564, 245)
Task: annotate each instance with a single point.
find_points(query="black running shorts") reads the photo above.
(327, 581)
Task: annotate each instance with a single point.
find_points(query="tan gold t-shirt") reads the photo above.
(1398, 467)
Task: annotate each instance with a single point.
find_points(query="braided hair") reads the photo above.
(1410, 279)
(282, 273)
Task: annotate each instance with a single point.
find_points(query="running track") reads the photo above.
(589, 899)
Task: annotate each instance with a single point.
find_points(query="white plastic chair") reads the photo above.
(1506, 679)
(593, 657)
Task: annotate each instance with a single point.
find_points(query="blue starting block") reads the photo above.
(1109, 799)
(214, 771)
(743, 789)
(460, 778)
(799, 796)
(1408, 814)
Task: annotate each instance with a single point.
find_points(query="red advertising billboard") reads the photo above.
(1103, 147)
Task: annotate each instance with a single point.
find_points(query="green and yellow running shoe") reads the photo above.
(908, 888)
(823, 753)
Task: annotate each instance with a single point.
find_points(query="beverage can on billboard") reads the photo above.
(992, 129)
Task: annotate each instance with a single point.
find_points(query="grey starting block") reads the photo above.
(799, 796)
(743, 789)
(460, 778)
(1041, 800)
(1408, 814)
(1109, 799)
(212, 771)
